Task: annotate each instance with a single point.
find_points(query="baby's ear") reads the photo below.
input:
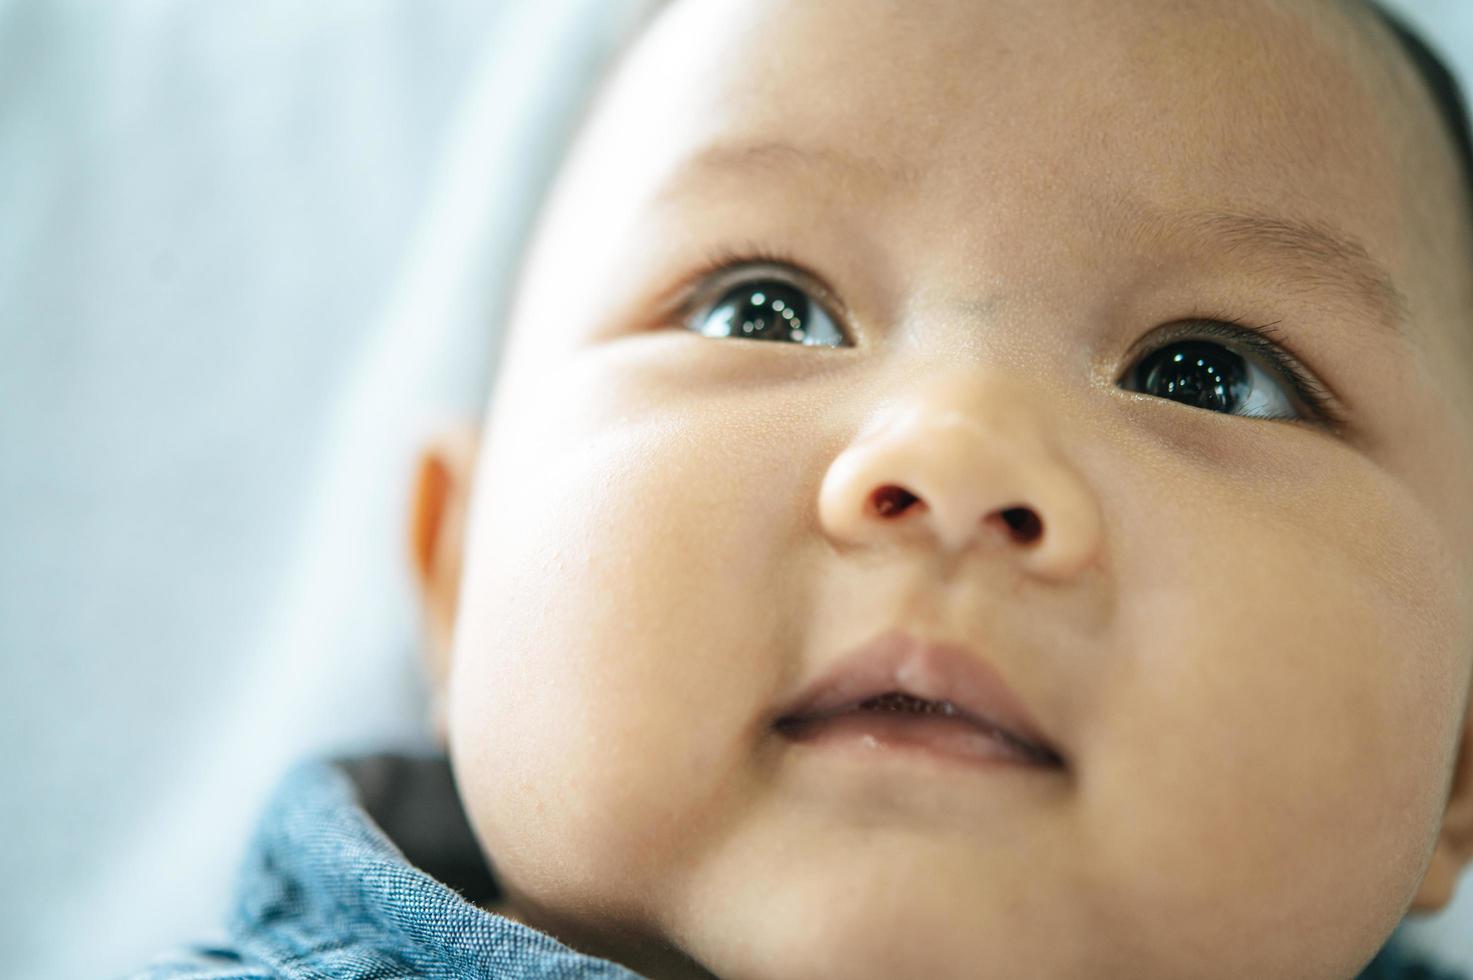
(437, 511)
(1455, 840)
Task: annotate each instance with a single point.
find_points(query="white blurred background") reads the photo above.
(250, 252)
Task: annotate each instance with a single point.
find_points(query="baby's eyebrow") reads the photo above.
(763, 156)
(1308, 251)
(1302, 251)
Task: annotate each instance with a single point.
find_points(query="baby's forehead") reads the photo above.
(990, 119)
(1194, 89)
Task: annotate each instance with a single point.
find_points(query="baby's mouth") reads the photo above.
(903, 690)
(897, 719)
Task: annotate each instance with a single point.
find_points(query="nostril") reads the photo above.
(891, 500)
(1024, 523)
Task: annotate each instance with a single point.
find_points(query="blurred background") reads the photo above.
(250, 254)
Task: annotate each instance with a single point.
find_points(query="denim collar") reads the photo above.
(367, 868)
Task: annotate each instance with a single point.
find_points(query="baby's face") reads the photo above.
(1028, 243)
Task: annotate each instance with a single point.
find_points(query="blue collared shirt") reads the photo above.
(367, 868)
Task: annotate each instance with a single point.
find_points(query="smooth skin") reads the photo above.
(1250, 638)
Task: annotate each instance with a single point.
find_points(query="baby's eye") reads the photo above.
(766, 308)
(1202, 373)
(1189, 367)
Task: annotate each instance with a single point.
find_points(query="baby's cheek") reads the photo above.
(1285, 716)
(626, 620)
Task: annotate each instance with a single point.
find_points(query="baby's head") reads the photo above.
(1126, 347)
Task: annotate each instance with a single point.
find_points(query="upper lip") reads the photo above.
(899, 661)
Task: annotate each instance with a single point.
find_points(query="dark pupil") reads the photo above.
(765, 309)
(1197, 374)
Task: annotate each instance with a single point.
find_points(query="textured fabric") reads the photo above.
(334, 885)
(367, 868)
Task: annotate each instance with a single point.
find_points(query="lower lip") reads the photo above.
(915, 735)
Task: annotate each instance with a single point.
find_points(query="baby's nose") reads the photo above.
(959, 465)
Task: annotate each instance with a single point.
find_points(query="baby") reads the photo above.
(975, 488)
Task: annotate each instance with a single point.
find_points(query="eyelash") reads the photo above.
(727, 258)
(1264, 340)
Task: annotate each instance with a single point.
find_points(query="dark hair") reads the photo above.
(1444, 88)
